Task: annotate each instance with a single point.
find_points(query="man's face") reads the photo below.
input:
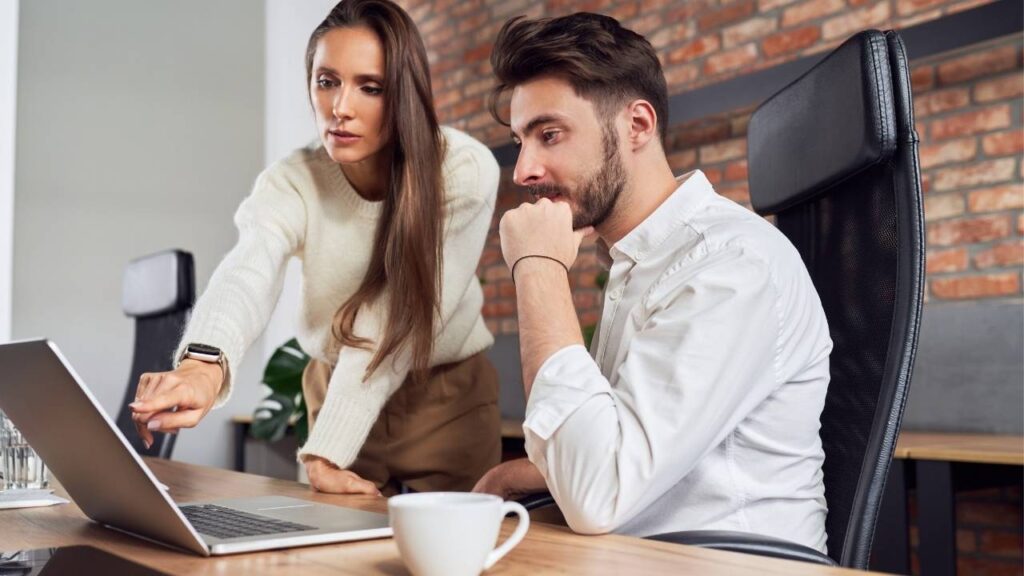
(566, 153)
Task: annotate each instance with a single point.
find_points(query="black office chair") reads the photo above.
(159, 291)
(834, 157)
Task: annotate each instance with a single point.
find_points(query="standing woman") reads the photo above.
(389, 214)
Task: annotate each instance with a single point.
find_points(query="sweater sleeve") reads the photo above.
(243, 290)
(351, 405)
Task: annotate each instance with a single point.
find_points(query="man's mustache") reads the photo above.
(541, 190)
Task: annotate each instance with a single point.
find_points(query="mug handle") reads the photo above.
(517, 535)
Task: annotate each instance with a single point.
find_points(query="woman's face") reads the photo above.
(346, 90)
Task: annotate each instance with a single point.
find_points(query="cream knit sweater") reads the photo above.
(303, 206)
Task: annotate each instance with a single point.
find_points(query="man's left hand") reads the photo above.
(543, 228)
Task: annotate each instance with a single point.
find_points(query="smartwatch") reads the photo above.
(208, 354)
(203, 353)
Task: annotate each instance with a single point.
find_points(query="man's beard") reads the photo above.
(596, 197)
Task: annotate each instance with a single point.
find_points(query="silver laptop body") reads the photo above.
(60, 418)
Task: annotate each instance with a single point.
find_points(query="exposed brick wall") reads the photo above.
(699, 42)
(989, 540)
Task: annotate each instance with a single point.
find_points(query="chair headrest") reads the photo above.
(828, 125)
(159, 283)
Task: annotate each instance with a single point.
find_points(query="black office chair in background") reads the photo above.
(158, 291)
(833, 156)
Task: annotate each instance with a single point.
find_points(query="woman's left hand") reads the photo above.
(326, 477)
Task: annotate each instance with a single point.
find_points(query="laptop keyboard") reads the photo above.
(222, 522)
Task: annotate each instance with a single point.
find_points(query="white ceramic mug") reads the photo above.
(452, 533)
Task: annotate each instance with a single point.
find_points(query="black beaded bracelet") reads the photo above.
(521, 258)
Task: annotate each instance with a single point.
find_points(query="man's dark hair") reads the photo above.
(604, 62)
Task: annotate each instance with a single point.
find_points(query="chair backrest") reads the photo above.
(834, 157)
(158, 291)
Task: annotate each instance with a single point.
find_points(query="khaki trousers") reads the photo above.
(440, 435)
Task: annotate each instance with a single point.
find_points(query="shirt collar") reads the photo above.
(693, 191)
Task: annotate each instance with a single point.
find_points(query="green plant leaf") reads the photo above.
(270, 419)
(283, 373)
(588, 334)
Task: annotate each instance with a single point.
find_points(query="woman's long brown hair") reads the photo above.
(407, 251)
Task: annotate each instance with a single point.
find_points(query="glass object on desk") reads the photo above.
(20, 466)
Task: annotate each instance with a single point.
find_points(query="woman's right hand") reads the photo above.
(169, 401)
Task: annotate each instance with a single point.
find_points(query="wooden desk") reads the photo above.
(546, 548)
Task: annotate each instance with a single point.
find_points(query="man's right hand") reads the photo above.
(169, 401)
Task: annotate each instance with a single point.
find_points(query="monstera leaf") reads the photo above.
(285, 404)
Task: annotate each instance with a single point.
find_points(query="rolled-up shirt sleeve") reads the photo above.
(704, 356)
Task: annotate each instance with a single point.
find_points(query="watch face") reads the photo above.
(204, 349)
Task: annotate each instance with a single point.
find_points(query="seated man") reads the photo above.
(698, 405)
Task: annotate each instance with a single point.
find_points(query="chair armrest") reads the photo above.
(747, 543)
(537, 500)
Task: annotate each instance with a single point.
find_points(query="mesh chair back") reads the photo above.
(158, 291)
(834, 157)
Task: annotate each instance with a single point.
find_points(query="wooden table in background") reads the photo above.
(546, 548)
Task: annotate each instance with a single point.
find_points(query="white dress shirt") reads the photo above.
(700, 407)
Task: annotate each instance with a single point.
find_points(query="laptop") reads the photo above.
(60, 418)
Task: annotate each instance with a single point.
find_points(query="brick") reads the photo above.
(939, 261)
(978, 64)
(506, 289)
(1007, 197)
(920, 17)
(585, 299)
(810, 10)
(702, 132)
(695, 49)
(973, 122)
(1003, 143)
(790, 41)
(939, 206)
(744, 32)
(490, 256)
(904, 7)
(1020, 224)
(739, 124)
(1002, 88)
(714, 175)
(968, 230)
(965, 541)
(941, 101)
(767, 5)
(509, 326)
(477, 54)
(977, 174)
(981, 566)
(981, 286)
(732, 13)
(681, 75)
(738, 193)
(1001, 255)
(736, 171)
(671, 35)
(623, 12)
(721, 151)
(730, 60)
(846, 25)
(922, 78)
(508, 8)
(1000, 543)
(948, 152)
(683, 160)
(965, 5)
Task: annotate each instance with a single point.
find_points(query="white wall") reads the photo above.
(8, 94)
(140, 128)
(289, 121)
